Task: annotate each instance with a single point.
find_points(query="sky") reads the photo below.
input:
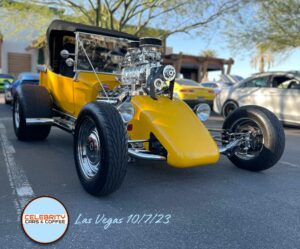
(194, 45)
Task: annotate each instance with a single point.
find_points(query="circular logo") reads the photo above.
(45, 220)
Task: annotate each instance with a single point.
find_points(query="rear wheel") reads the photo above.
(100, 149)
(261, 134)
(31, 102)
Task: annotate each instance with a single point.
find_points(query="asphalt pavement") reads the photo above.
(217, 206)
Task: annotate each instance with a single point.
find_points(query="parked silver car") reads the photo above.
(277, 91)
(226, 80)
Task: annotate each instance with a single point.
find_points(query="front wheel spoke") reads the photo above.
(89, 148)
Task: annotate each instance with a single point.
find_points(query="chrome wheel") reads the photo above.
(17, 114)
(89, 148)
(252, 140)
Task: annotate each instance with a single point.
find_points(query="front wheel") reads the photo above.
(100, 148)
(262, 138)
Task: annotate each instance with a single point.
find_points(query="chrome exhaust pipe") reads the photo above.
(39, 121)
(143, 154)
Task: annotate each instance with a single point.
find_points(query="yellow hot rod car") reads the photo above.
(192, 93)
(109, 89)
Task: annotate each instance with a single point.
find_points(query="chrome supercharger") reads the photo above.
(142, 69)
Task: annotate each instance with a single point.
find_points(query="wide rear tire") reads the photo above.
(267, 138)
(31, 101)
(100, 148)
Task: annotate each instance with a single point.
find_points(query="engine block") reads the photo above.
(142, 68)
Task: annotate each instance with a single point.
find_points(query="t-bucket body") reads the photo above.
(185, 140)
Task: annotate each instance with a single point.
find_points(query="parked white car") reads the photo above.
(277, 91)
(226, 80)
(217, 87)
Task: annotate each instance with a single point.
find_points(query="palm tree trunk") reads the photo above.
(98, 10)
(262, 63)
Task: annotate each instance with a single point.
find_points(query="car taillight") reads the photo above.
(129, 127)
(211, 91)
(186, 91)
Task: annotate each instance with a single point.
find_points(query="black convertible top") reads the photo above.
(59, 25)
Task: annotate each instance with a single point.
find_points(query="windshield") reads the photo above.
(228, 84)
(236, 78)
(297, 74)
(187, 82)
(210, 85)
(227, 78)
(6, 76)
(101, 53)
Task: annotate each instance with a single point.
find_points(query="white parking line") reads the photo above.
(289, 164)
(16, 175)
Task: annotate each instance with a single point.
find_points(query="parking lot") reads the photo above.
(216, 206)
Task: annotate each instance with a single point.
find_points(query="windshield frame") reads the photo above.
(77, 47)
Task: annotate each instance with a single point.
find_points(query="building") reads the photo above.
(14, 56)
(197, 67)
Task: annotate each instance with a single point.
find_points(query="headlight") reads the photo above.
(203, 111)
(126, 110)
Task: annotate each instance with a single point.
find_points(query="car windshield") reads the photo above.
(187, 82)
(6, 76)
(228, 78)
(28, 76)
(32, 82)
(210, 85)
(297, 74)
(228, 84)
(236, 78)
(100, 53)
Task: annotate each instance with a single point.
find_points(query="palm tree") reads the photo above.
(263, 58)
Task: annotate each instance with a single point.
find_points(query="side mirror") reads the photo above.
(65, 54)
(70, 62)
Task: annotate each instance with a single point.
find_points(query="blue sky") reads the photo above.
(194, 45)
